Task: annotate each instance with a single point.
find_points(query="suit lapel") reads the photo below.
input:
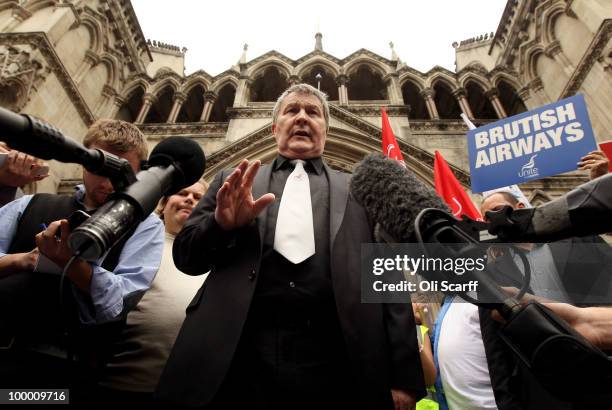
(338, 197)
(261, 186)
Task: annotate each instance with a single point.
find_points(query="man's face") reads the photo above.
(300, 128)
(97, 188)
(495, 203)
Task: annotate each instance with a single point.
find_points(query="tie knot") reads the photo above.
(297, 163)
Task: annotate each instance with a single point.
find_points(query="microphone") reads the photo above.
(175, 163)
(28, 134)
(391, 195)
(586, 210)
(410, 211)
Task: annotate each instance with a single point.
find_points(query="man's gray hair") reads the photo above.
(303, 89)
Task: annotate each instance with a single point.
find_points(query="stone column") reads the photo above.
(526, 96)
(428, 95)
(342, 83)
(538, 89)
(179, 99)
(493, 96)
(90, 60)
(554, 51)
(101, 109)
(242, 92)
(394, 92)
(209, 100)
(118, 102)
(147, 102)
(460, 94)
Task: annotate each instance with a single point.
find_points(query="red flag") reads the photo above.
(451, 191)
(390, 146)
(606, 147)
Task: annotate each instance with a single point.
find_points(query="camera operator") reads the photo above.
(92, 305)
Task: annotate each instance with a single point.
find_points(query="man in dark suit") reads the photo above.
(279, 321)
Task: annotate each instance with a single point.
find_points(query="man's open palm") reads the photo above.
(235, 204)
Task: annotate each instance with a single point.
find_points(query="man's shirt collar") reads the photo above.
(316, 164)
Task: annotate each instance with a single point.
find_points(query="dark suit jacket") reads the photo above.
(380, 339)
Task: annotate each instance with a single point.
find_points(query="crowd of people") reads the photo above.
(248, 292)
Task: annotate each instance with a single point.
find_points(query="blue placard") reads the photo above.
(546, 141)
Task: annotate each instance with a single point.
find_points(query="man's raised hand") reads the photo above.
(235, 204)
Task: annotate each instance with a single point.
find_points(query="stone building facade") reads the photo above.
(72, 62)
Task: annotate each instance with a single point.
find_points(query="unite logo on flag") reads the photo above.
(529, 170)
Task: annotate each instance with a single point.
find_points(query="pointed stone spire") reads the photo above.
(318, 39)
(394, 56)
(243, 57)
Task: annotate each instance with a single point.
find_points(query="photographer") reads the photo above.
(96, 297)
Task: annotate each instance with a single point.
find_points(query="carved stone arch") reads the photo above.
(132, 100)
(482, 81)
(96, 32)
(477, 99)
(327, 81)
(509, 97)
(441, 76)
(351, 66)
(259, 69)
(193, 106)
(222, 82)
(509, 79)
(412, 94)
(193, 82)
(560, 34)
(416, 80)
(549, 17)
(528, 68)
(307, 65)
(269, 82)
(113, 69)
(163, 102)
(446, 103)
(366, 82)
(225, 96)
(159, 86)
(130, 87)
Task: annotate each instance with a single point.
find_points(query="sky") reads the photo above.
(214, 32)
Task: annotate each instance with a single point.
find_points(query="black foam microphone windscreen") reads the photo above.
(185, 154)
(392, 195)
